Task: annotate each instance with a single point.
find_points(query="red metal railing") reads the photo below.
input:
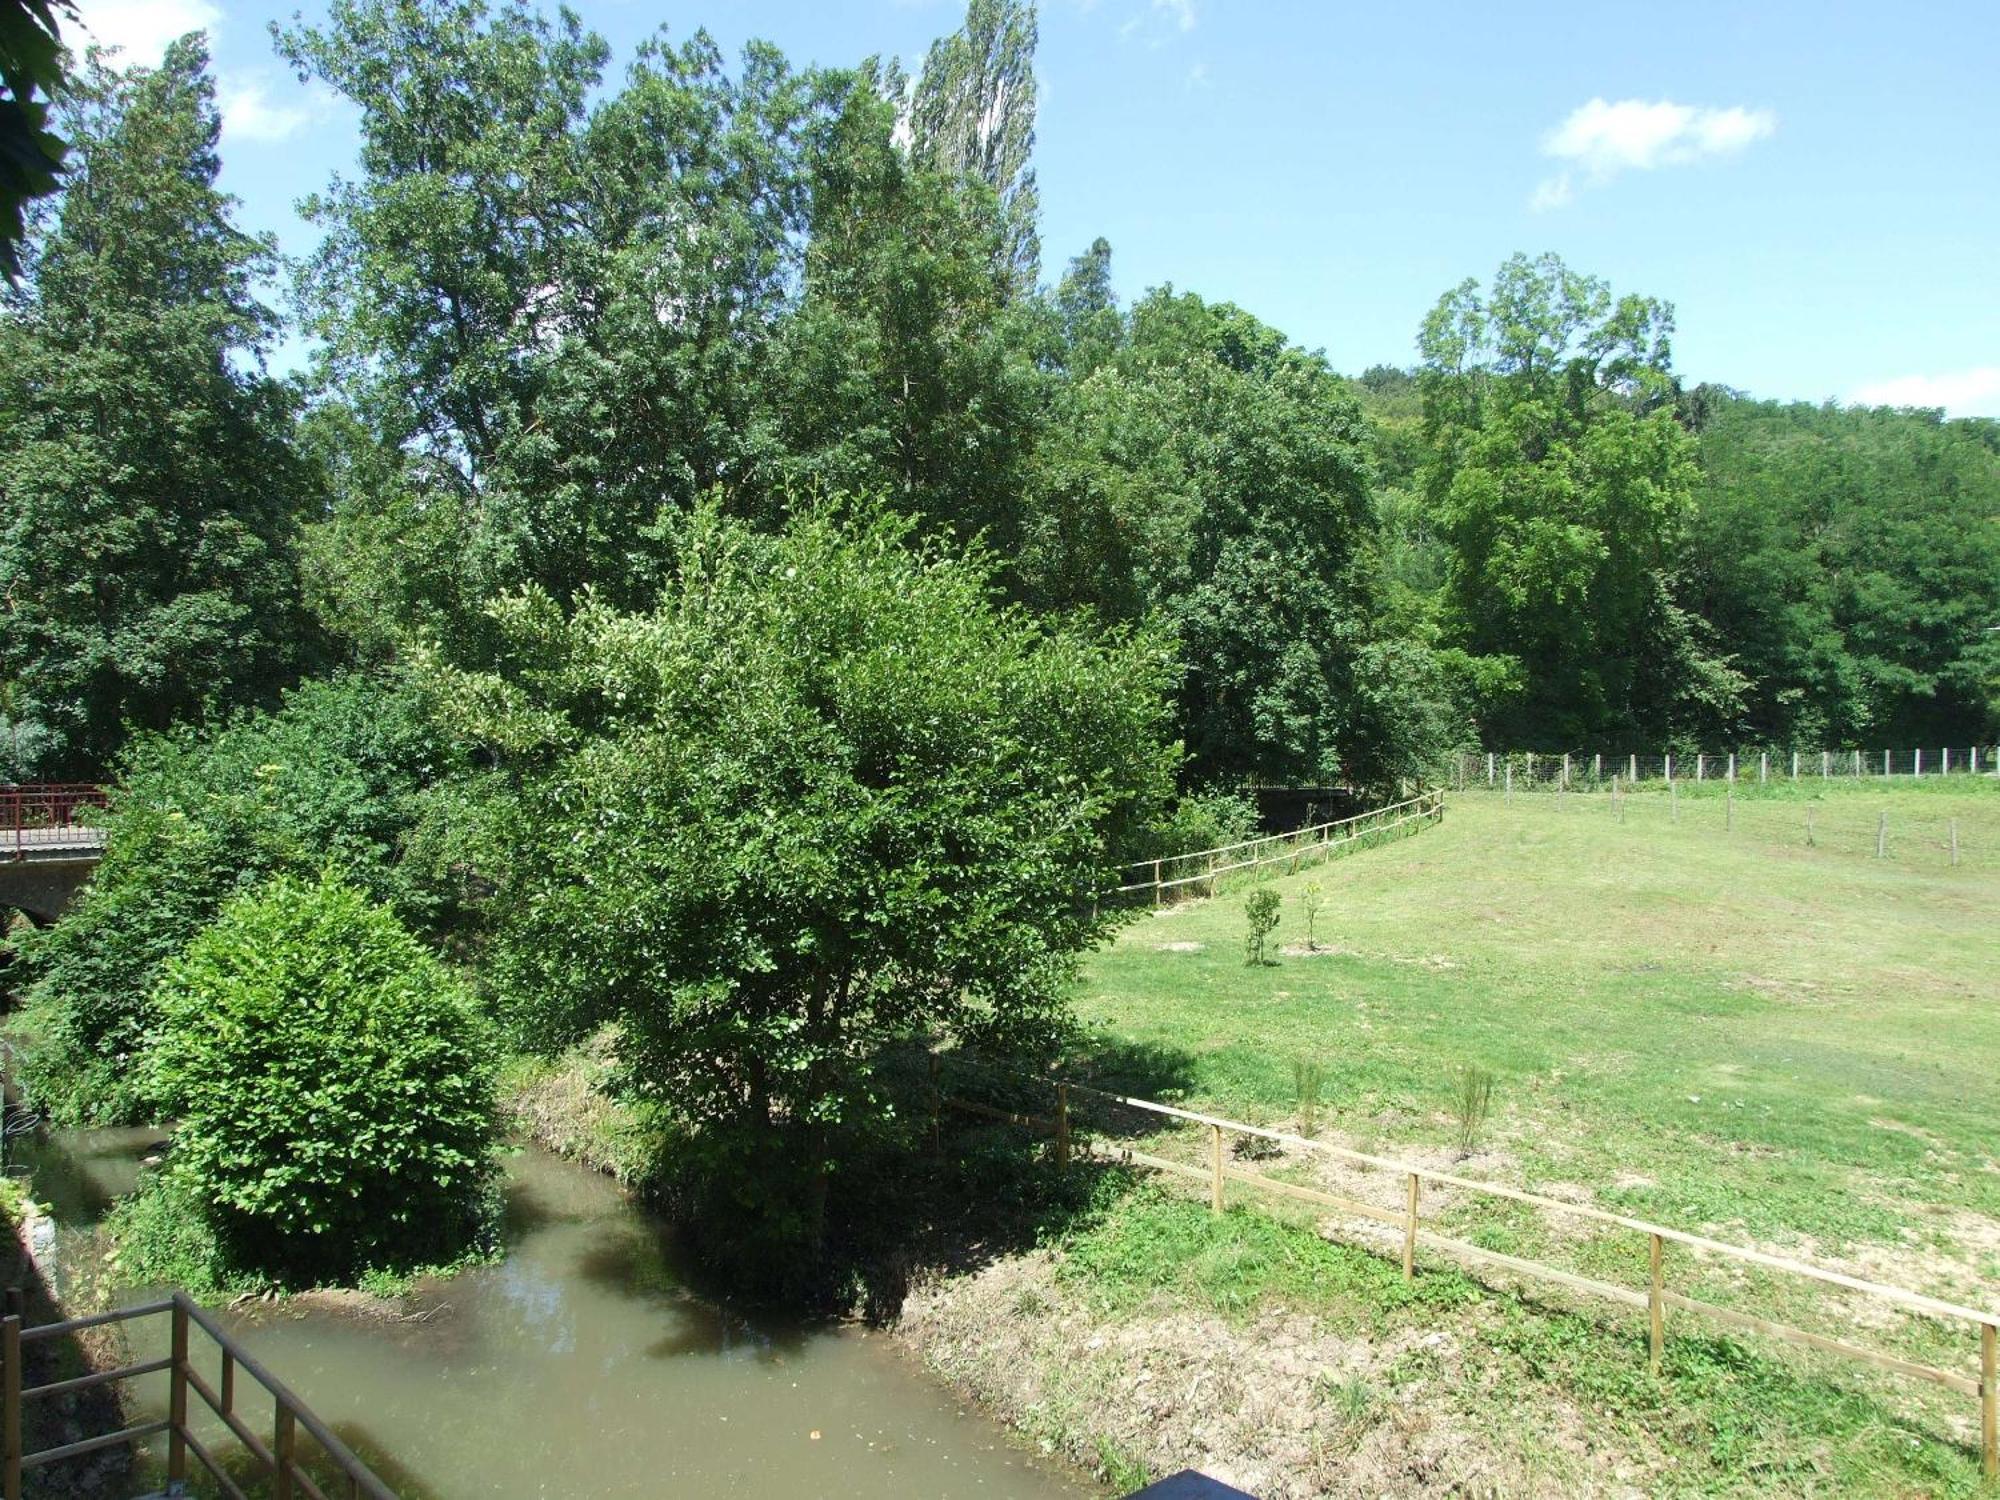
(43, 814)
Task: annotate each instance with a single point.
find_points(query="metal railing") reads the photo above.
(1217, 1172)
(279, 1460)
(47, 814)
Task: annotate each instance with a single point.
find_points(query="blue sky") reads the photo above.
(1816, 186)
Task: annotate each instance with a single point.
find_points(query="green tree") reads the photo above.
(907, 368)
(1211, 477)
(826, 798)
(551, 301)
(332, 1088)
(1563, 483)
(348, 771)
(1851, 559)
(150, 487)
(972, 114)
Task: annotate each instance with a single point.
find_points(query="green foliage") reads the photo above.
(824, 798)
(150, 488)
(1564, 483)
(1312, 900)
(31, 154)
(345, 771)
(332, 1084)
(1202, 820)
(1852, 559)
(1260, 907)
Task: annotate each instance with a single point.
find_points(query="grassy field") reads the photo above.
(1691, 1015)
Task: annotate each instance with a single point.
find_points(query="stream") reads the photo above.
(581, 1365)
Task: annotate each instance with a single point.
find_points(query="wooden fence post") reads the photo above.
(1763, 766)
(1410, 1229)
(1795, 765)
(1700, 766)
(10, 1351)
(1732, 768)
(1215, 1201)
(1656, 1304)
(1597, 766)
(1489, 768)
(1632, 770)
(1989, 1399)
(1062, 1127)
(1944, 768)
(1670, 766)
(1917, 766)
(1885, 762)
(1509, 794)
(1857, 763)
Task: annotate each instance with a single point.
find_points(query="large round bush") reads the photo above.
(333, 1086)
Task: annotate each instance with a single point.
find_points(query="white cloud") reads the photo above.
(1962, 393)
(248, 114)
(1179, 12)
(1601, 139)
(141, 29)
(1197, 76)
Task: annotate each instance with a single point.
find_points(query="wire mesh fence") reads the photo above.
(1905, 831)
(1764, 766)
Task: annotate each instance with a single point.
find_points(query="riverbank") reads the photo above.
(27, 1251)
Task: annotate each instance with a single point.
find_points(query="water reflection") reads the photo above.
(582, 1366)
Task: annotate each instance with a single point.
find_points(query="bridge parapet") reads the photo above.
(51, 820)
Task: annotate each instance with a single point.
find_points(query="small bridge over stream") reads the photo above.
(50, 841)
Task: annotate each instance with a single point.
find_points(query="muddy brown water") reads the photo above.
(582, 1365)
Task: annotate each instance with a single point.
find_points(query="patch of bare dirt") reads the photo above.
(1284, 1406)
(1180, 947)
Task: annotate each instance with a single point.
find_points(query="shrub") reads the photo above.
(333, 1084)
(1202, 820)
(340, 772)
(1261, 906)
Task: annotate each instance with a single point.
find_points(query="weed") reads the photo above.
(1471, 1102)
(1307, 1078)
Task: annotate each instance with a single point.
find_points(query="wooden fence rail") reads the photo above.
(278, 1460)
(1293, 848)
(1654, 1301)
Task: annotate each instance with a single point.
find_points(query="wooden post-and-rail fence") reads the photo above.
(1164, 877)
(278, 1458)
(1655, 1301)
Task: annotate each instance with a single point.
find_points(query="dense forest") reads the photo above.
(711, 438)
